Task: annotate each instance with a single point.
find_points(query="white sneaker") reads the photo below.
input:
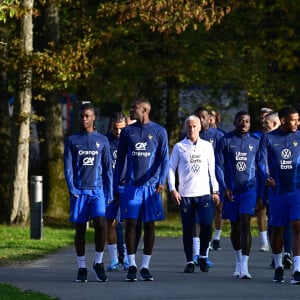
(237, 271)
(264, 248)
(245, 275)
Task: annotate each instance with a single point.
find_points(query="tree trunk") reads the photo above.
(5, 133)
(20, 155)
(57, 208)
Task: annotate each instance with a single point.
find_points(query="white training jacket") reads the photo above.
(195, 164)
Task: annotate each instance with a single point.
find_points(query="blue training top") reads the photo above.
(211, 135)
(146, 149)
(87, 163)
(279, 158)
(236, 158)
(113, 146)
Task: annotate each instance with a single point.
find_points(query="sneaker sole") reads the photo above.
(278, 280)
(245, 276)
(146, 279)
(293, 281)
(131, 280)
(100, 280)
(80, 280)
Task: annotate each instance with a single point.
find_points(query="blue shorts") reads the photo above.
(89, 205)
(244, 203)
(144, 200)
(284, 208)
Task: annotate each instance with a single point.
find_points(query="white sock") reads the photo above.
(196, 245)
(81, 261)
(98, 257)
(217, 234)
(146, 261)
(296, 263)
(113, 252)
(238, 256)
(244, 264)
(263, 237)
(131, 260)
(125, 252)
(277, 260)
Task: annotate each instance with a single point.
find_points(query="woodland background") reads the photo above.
(110, 52)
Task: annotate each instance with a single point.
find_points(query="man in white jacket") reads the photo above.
(198, 190)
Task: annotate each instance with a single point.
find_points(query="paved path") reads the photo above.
(55, 274)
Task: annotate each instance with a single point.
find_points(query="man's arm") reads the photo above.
(68, 168)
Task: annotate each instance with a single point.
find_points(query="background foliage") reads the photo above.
(110, 52)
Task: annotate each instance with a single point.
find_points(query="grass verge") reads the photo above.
(8, 292)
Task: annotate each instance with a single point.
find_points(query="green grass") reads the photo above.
(16, 247)
(8, 292)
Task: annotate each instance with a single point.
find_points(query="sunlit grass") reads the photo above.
(17, 247)
(8, 292)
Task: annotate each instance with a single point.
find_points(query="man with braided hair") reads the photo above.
(114, 227)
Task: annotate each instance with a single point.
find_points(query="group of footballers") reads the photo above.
(221, 176)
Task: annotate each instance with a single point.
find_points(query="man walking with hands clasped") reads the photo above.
(194, 160)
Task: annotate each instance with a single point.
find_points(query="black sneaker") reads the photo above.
(287, 261)
(295, 278)
(99, 271)
(203, 264)
(189, 268)
(131, 274)
(216, 245)
(82, 275)
(278, 277)
(145, 275)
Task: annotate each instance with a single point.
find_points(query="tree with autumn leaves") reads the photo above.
(116, 50)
